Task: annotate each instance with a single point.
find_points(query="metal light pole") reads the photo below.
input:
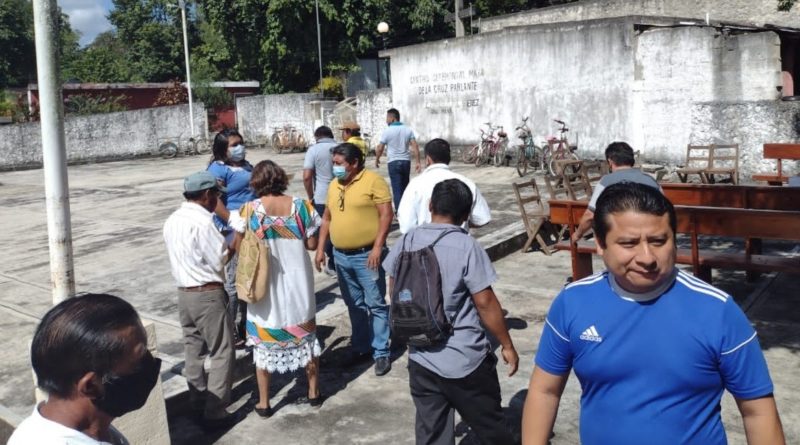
(182, 5)
(54, 152)
(319, 48)
(383, 30)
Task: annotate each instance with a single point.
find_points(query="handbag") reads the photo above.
(252, 270)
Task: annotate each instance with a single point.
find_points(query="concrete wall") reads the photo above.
(754, 12)
(101, 137)
(676, 68)
(578, 72)
(750, 125)
(259, 115)
(372, 106)
(608, 79)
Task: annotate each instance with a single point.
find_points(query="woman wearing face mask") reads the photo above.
(233, 171)
(282, 326)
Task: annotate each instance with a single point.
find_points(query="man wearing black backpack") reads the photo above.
(457, 369)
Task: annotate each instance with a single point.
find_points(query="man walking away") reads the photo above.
(414, 208)
(400, 142)
(317, 176)
(351, 133)
(197, 254)
(621, 160)
(459, 373)
(357, 219)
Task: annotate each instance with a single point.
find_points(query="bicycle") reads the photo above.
(559, 149)
(170, 147)
(289, 138)
(528, 154)
(491, 147)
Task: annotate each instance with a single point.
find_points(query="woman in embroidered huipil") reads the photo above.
(282, 326)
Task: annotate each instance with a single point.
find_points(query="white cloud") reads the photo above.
(87, 16)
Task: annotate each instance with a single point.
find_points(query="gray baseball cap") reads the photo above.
(201, 181)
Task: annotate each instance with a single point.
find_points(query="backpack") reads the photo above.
(417, 315)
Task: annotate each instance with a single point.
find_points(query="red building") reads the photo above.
(143, 95)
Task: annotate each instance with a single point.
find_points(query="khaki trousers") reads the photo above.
(207, 331)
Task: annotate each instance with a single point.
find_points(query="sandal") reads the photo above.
(316, 402)
(264, 413)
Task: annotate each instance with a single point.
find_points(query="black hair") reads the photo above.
(350, 152)
(323, 132)
(438, 150)
(80, 335)
(395, 113)
(629, 197)
(620, 153)
(196, 195)
(354, 131)
(219, 150)
(452, 198)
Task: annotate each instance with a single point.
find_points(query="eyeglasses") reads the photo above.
(341, 199)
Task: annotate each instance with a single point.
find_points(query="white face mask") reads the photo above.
(237, 153)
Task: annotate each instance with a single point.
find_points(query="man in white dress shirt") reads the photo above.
(414, 209)
(197, 254)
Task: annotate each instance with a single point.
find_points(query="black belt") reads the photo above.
(354, 251)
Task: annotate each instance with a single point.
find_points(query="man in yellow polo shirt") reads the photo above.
(351, 132)
(357, 216)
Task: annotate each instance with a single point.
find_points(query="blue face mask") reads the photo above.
(237, 153)
(339, 171)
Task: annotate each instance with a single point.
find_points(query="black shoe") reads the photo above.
(264, 413)
(382, 366)
(221, 423)
(316, 402)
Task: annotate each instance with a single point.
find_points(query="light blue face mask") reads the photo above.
(339, 171)
(237, 153)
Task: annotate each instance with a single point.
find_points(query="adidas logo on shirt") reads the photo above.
(591, 334)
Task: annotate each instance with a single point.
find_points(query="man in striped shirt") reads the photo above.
(653, 347)
(197, 255)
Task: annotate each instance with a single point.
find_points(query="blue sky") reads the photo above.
(87, 16)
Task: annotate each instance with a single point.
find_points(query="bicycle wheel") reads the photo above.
(483, 155)
(276, 143)
(551, 166)
(522, 160)
(201, 146)
(168, 150)
(469, 155)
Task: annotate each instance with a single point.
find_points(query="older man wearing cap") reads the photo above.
(197, 254)
(351, 133)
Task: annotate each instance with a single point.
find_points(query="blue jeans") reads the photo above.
(364, 292)
(399, 175)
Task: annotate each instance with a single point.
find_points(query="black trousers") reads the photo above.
(476, 397)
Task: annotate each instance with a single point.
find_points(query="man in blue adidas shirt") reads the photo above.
(653, 347)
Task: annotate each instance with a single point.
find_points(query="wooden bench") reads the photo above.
(724, 160)
(735, 196)
(779, 152)
(697, 221)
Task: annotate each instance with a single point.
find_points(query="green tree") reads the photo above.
(151, 32)
(17, 57)
(785, 5)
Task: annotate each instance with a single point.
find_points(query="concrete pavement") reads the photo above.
(118, 210)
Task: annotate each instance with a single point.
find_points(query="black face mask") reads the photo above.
(124, 394)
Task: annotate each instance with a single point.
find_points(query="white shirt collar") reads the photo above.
(437, 166)
(190, 205)
(646, 296)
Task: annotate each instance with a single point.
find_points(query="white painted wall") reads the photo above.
(608, 79)
(98, 137)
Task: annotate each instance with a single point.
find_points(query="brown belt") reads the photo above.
(203, 288)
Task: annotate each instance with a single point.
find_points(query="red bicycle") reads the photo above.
(559, 149)
(492, 147)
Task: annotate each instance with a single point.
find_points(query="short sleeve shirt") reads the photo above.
(353, 209)
(396, 137)
(466, 270)
(36, 429)
(657, 367)
(320, 160)
(624, 175)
